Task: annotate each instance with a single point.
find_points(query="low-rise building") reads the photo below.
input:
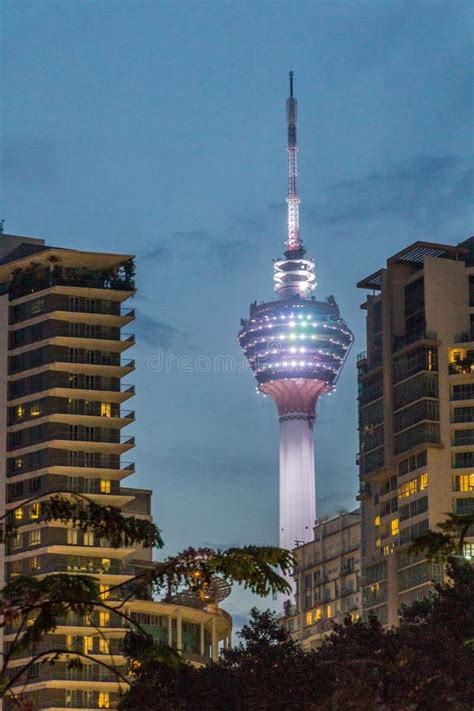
(327, 579)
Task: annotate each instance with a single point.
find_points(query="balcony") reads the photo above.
(401, 342)
(38, 277)
(464, 338)
(91, 363)
(111, 442)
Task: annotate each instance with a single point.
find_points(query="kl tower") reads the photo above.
(296, 347)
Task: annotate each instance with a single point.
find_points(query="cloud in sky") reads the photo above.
(426, 189)
(160, 334)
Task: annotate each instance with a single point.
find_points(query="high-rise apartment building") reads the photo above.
(327, 580)
(64, 391)
(416, 415)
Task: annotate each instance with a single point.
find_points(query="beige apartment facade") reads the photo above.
(416, 416)
(64, 420)
(327, 580)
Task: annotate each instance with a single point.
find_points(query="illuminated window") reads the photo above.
(328, 611)
(394, 527)
(104, 591)
(19, 513)
(355, 616)
(105, 486)
(465, 482)
(104, 618)
(377, 521)
(105, 409)
(375, 587)
(413, 486)
(35, 510)
(35, 563)
(104, 700)
(17, 540)
(18, 462)
(104, 646)
(72, 536)
(378, 542)
(35, 409)
(105, 564)
(309, 618)
(20, 411)
(88, 538)
(318, 613)
(468, 550)
(35, 537)
(88, 645)
(69, 641)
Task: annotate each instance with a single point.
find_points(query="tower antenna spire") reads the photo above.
(294, 241)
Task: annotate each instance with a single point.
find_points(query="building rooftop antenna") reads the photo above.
(294, 241)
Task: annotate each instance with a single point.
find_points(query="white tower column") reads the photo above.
(297, 480)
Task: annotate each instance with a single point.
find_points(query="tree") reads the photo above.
(32, 608)
(449, 541)
(423, 665)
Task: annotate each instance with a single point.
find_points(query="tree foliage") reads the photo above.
(423, 665)
(32, 607)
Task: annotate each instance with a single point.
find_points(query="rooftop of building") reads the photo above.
(415, 254)
(16, 252)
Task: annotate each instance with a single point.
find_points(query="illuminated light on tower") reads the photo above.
(296, 347)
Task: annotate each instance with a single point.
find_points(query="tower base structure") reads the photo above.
(296, 403)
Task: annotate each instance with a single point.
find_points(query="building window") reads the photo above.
(72, 536)
(463, 460)
(104, 646)
(394, 527)
(309, 618)
(104, 700)
(88, 645)
(377, 521)
(464, 482)
(468, 550)
(464, 506)
(35, 537)
(19, 513)
(35, 563)
(104, 591)
(17, 540)
(19, 412)
(104, 618)
(105, 409)
(413, 486)
(37, 306)
(35, 409)
(88, 538)
(329, 611)
(35, 510)
(105, 486)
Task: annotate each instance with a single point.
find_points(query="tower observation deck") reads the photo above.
(296, 347)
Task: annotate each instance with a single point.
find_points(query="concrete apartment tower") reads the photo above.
(62, 416)
(296, 347)
(416, 415)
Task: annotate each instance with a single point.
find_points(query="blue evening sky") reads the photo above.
(158, 128)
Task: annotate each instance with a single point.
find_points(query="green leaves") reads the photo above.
(255, 567)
